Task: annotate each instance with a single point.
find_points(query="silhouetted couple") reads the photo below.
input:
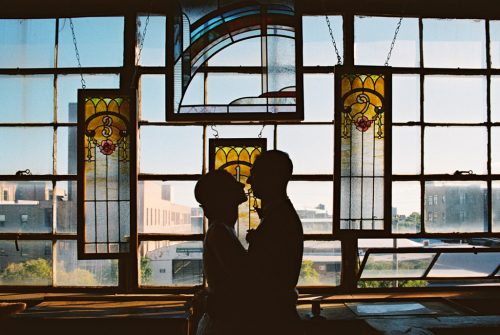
(251, 292)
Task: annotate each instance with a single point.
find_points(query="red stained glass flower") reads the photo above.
(107, 147)
(363, 123)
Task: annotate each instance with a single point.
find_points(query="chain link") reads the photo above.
(84, 86)
(260, 134)
(339, 59)
(142, 37)
(216, 132)
(393, 41)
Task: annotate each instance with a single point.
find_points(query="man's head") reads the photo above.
(270, 174)
(220, 194)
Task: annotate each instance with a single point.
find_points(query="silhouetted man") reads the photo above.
(275, 247)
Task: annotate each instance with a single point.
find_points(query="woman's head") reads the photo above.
(220, 194)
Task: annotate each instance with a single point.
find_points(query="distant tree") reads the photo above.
(308, 274)
(146, 270)
(33, 271)
(77, 277)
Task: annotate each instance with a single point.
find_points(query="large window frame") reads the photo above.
(129, 72)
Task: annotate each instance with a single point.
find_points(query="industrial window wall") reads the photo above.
(397, 186)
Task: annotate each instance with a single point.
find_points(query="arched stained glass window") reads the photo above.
(200, 32)
(237, 156)
(363, 111)
(105, 145)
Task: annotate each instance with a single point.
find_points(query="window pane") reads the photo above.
(406, 207)
(27, 98)
(171, 263)
(73, 272)
(100, 42)
(153, 51)
(317, 44)
(27, 43)
(66, 150)
(30, 263)
(26, 206)
(168, 208)
(309, 147)
(65, 192)
(455, 99)
(405, 98)
(321, 264)
(496, 205)
(495, 150)
(243, 53)
(495, 43)
(455, 207)
(396, 265)
(318, 97)
(314, 204)
(171, 149)
(495, 98)
(448, 149)
(67, 92)
(225, 88)
(465, 264)
(26, 148)
(152, 97)
(406, 150)
(454, 43)
(373, 37)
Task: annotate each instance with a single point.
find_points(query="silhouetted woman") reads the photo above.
(224, 258)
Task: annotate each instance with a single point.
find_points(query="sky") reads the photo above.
(447, 43)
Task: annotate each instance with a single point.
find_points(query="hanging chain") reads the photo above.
(77, 54)
(339, 59)
(260, 134)
(142, 37)
(393, 41)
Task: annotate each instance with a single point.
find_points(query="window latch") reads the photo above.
(26, 172)
(463, 173)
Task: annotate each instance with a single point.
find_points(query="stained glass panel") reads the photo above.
(363, 111)
(237, 157)
(105, 145)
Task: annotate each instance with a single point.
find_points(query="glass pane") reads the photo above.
(318, 97)
(495, 150)
(171, 263)
(27, 98)
(66, 214)
(362, 144)
(465, 264)
(106, 145)
(73, 272)
(396, 265)
(225, 88)
(495, 44)
(455, 99)
(153, 51)
(406, 150)
(309, 147)
(168, 208)
(321, 264)
(26, 148)
(243, 53)
(496, 205)
(67, 92)
(94, 35)
(152, 101)
(27, 43)
(405, 97)
(448, 149)
(26, 207)
(317, 43)
(171, 149)
(314, 204)
(454, 43)
(373, 38)
(495, 98)
(455, 207)
(66, 150)
(406, 207)
(28, 263)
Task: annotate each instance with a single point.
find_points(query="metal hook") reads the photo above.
(216, 133)
(260, 134)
